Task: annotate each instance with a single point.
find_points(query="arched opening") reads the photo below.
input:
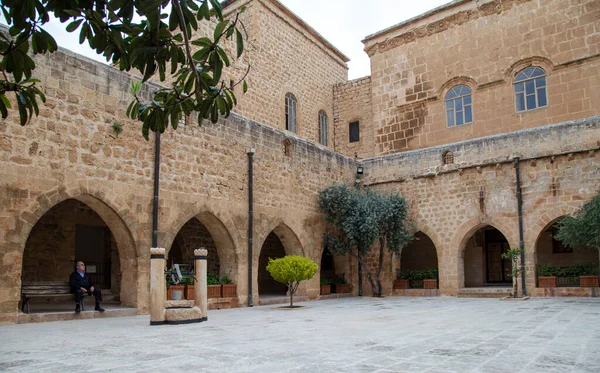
(74, 231)
(194, 235)
(327, 266)
(553, 258)
(483, 263)
(272, 249)
(418, 261)
(205, 230)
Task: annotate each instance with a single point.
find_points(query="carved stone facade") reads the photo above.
(460, 182)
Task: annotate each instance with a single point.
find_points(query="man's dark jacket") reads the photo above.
(78, 282)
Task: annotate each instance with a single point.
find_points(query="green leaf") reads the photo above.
(219, 29)
(245, 86)
(74, 25)
(239, 43)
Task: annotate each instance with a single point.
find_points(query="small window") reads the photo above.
(459, 106)
(530, 89)
(323, 127)
(290, 112)
(447, 157)
(354, 132)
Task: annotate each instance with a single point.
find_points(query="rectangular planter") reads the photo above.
(430, 284)
(401, 284)
(343, 288)
(588, 281)
(229, 290)
(190, 292)
(325, 289)
(214, 291)
(175, 288)
(547, 281)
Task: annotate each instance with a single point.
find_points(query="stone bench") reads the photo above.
(44, 289)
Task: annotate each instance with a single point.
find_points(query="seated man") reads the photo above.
(82, 284)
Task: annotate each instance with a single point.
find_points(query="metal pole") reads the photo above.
(250, 153)
(156, 187)
(520, 212)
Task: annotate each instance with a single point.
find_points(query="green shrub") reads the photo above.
(212, 278)
(325, 281)
(225, 280)
(339, 280)
(291, 270)
(575, 270)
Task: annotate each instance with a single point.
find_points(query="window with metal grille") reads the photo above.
(530, 89)
(323, 127)
(290, 112)
(354, 132)
(459, 108)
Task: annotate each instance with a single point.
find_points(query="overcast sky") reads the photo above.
(344, 23)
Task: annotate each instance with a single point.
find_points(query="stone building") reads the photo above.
(459, 100)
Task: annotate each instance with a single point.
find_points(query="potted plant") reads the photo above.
(588, 274)
(228, 288)
(402, 282)
(213, 285)
(175, 291)
(190, 292)
(547, 275)
(325, 286)
(341, 286)
(430, 278)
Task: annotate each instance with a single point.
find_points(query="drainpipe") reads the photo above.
(250, 153)
(520, 212)
(156, 186)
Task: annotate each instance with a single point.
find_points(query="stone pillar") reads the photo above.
(201, 299)
(158, 286)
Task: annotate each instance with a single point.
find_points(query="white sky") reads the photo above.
(344, 23)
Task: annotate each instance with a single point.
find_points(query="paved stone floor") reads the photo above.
(396, 334)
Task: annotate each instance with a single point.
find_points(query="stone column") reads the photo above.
(201, 299)
(158, 286)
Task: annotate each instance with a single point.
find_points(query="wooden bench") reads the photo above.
(45, 289)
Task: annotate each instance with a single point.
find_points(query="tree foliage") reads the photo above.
(357, 219)
(291, 270)
(150, 36)
(514, 255)
(582, 230)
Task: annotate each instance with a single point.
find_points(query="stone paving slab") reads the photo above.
(396, 334)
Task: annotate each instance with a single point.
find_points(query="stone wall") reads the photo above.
(559, 168)
(70, 152)
(352, 103)
(482, 44)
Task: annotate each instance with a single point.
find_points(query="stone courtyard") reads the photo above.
(394, 334)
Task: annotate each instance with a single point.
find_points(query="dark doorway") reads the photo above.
(271, 249)
(497, 269)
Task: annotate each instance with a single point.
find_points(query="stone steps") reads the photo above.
(484, 292)
(63, 313)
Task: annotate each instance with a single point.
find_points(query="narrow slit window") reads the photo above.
(323, 128)
(354, 132)
(291, 112)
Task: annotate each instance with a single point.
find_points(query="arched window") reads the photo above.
(447, 157)
(323, 127)
(530, 89)
(290, 112)
(459, 109)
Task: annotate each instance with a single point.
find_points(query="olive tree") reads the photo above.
(361, 221)
(291, 270)
(150, 36)
(582, 230)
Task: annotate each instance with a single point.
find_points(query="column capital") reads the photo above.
(157, 253)
(200, 253)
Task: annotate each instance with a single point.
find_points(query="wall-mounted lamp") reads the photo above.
(360, 170)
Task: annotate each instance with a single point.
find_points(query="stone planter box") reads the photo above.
(343, 288)
(190, 292)
(177, 289)
(401, 284)
(229, 290)
(588, 281)
(325, 289)
(430, 284)
(547, 281)
(214, 291)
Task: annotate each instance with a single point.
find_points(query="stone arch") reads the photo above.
(457, 80)
(111, 209)
(222, 232)
(542, 223)
(517, 66)
(464, 233)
